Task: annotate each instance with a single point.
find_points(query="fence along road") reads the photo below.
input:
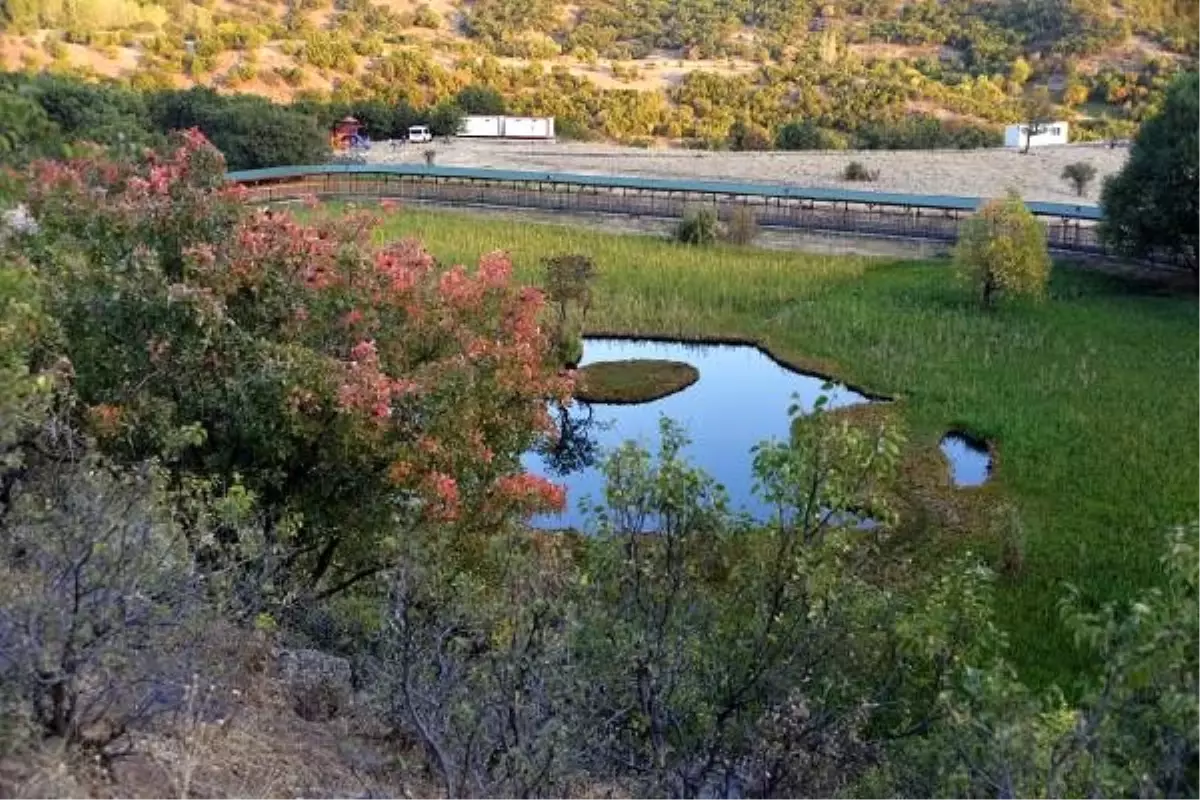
(1069, 228)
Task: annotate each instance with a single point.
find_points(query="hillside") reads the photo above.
(715, 71)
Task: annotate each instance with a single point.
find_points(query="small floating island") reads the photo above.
(638, 380)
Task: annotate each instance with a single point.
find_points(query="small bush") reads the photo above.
(743, 226)
(807, 136)
(1002, 251)
(426, 17)
(857, 171)
(1079, 175)
(698, 226)
(751, 137)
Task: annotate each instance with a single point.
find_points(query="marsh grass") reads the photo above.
(1091, 397)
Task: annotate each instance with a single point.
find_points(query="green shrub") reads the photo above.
(807, 135)
(749, 136)
(250, 131)
(857, 171)
(1079, 175)
(698, 226)
(426, 17)
(1001, 251)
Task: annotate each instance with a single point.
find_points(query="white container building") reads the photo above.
(1051, 133)
(489, 127)
(480, 127)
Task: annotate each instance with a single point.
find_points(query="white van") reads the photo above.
(420, 133)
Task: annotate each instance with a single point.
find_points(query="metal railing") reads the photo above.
(886, 218)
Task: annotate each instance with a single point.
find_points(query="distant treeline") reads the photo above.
(45, 115)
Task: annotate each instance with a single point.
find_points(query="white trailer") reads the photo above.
(480, 127)
(487, 127)
(1049, 133)
(529, 127)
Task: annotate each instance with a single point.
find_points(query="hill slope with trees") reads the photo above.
(716, 72)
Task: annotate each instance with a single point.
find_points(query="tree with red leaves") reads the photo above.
(360, 393)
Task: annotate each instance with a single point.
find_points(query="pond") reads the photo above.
(970, 462)
(741, 399)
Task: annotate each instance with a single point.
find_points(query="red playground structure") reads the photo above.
(348, 134)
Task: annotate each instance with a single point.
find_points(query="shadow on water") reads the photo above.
(740, 400)
(970, 460)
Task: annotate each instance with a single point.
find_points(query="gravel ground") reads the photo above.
(971, 173)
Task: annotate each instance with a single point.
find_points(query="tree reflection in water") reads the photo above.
(576, 449)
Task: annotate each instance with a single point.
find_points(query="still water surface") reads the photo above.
(970, 463)
(741, 399)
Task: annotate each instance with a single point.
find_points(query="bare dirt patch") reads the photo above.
(968, 173)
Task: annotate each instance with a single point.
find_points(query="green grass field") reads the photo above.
(1091, 397)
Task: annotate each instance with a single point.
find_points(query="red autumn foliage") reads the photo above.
(346, 376)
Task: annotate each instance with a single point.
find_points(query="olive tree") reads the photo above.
(1079, 175)
(1001, 251)
(1150, 206)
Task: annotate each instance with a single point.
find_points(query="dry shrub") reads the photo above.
(857, 171)
(743, 226)
(698, 226)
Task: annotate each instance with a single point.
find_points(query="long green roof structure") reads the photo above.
(783, 191)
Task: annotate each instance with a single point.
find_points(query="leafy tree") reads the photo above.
(807, 136)
(1079, 175)
(568, 285)
(102, 114)
(1038, 113)
(692, 634)
(25, 129)
(26, 385)
(748, 136)
(251, 132)
(1001, 251)
(1075, 94)
(1019, 72)
(477, 99)
(1133, 732)
(1150, 206)
(445, 119)
(426, 17)
(363, 393)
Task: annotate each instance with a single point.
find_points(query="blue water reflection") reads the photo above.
(741, 399)
(970, 463)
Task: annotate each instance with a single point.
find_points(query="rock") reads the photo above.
(320, 684)
(345, 795)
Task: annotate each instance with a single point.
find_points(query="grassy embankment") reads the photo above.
(1090, 398)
